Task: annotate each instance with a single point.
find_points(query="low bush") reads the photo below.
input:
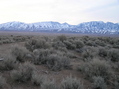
(49, 84)
(30, 45)
(79, 44)
(61, 38)
(8, 63)
(69, 45)
(37, 44)
(1, 42)
(19, 52)
(114, 55)
(56, 62)
(103, 52)
(96, 67)
(38, 79)
(58, 44)
(41, 43)
(24, 72)
(71, 83)
(89, 53)
(91, 43)
(99, 83)
(41, 56)
(100, 43)
(2, 82)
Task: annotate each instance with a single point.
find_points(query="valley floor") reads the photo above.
(92, 60)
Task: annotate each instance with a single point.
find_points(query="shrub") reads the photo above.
(24, 72)
(1, 42)
(71, 83)
(69, 45)
(90, 43)
(61, 38)
(79, 43)
(19, 53)
(41, 43)
(114, 55)
(58, 44)
(96, 67)
(30, 45)
(100, 43)
(8, 63)
(56, 62)
(89, 53)
(38, 79)
(99, 83)
(41, 56)
(2, 82)
(103, 52)
(49, 85)
(37, 44)
(116, 46)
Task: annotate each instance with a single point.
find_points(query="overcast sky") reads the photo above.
(70, 11)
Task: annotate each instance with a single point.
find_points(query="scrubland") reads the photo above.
(59, 62)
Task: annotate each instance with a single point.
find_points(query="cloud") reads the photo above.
(71, 11)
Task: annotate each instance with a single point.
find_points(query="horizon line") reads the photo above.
(60, 22)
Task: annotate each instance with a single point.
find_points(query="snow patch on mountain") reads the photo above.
(93, 27)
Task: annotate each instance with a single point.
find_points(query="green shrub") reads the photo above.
(24, 72)
(103, 52)
(8, 63)
(37, 44)
(71, 83)
(56, 62)
(116, 46)
(79, 43)
(41, 56)
(69, 45)
(41, 43)
(58, 44)
(49, 84)
(30, 45)
(61, 38)
(100, 43)
(96, 67)
(90, 43)
(99, 83)
(19, 52)
(2, 82)
(38, 79)
(89, 53)
(114, 55)
(1, 42)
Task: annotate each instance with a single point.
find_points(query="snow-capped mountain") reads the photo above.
(98, 27)
(94, 27)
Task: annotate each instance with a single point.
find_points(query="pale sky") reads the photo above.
(70, 11)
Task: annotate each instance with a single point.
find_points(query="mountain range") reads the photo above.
(93, 27)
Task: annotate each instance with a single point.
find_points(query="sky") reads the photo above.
(70, 11)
